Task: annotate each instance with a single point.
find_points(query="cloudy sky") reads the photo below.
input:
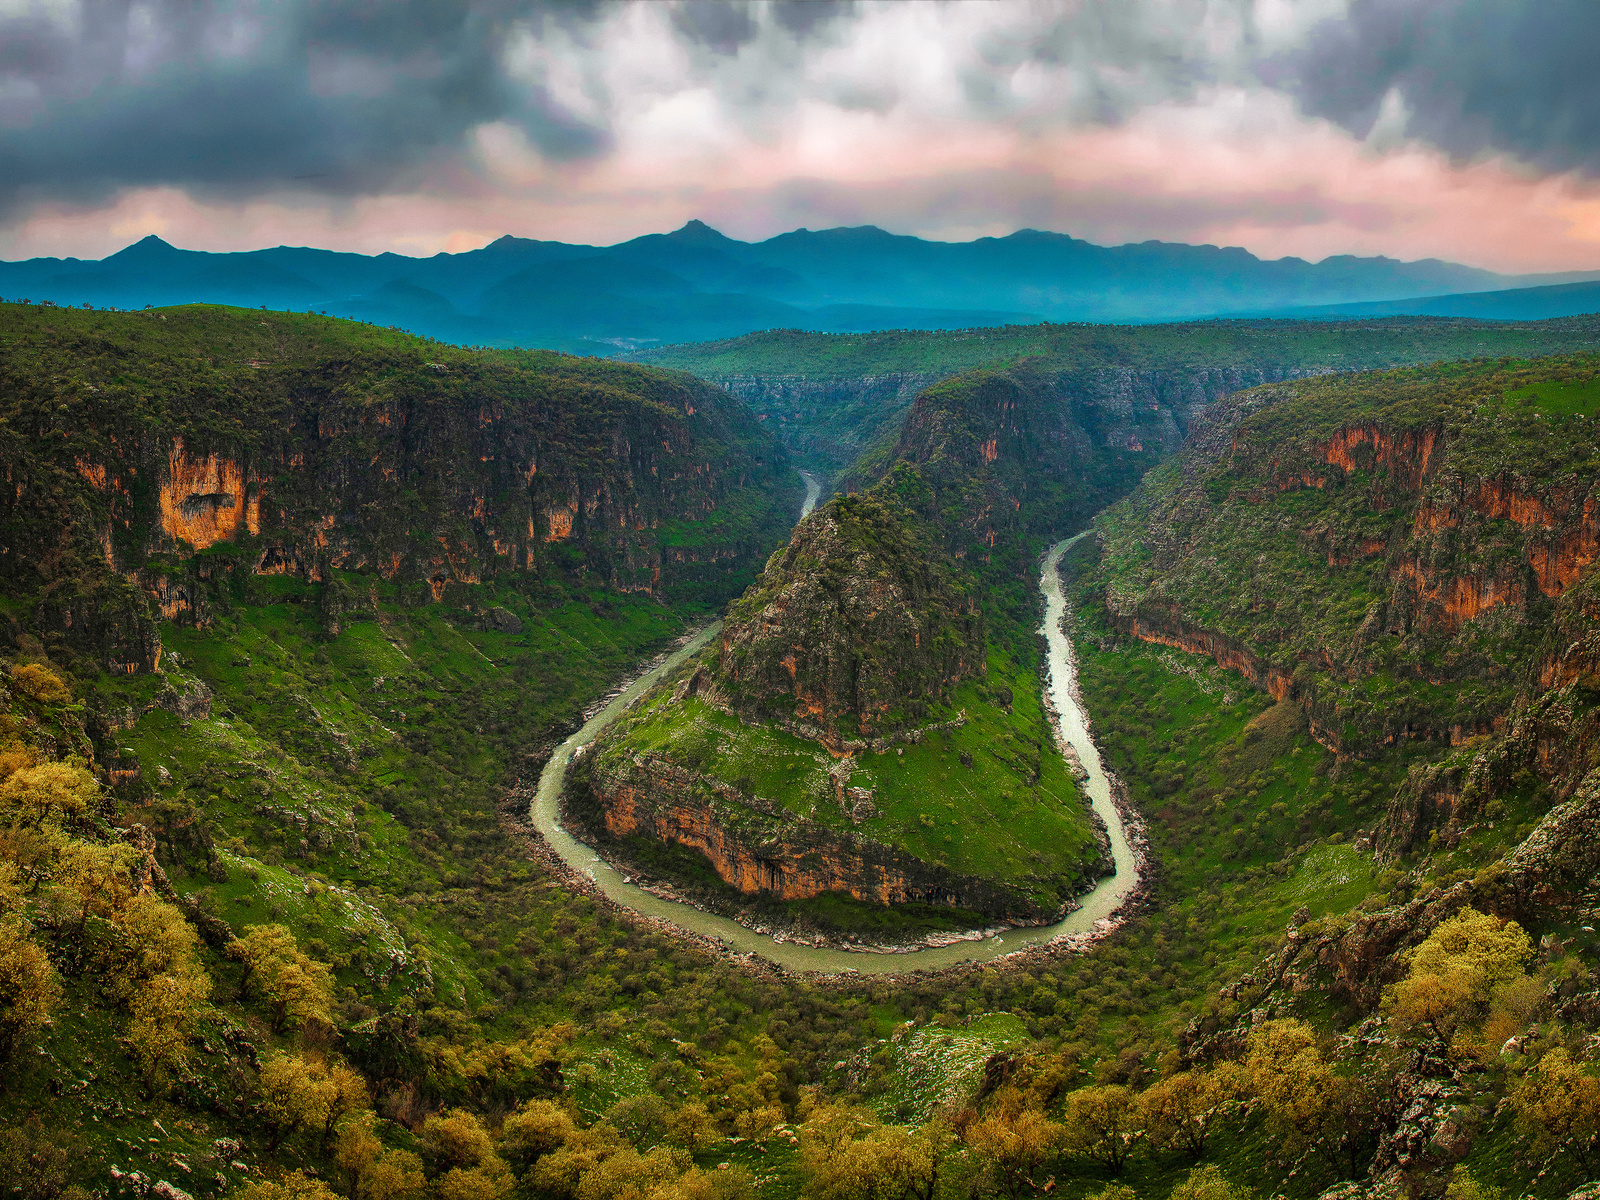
(1460, 129)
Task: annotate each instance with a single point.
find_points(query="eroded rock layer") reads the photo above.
(759, 847)
(326, 447)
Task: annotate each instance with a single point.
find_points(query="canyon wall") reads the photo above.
(1405, 567)
(428, 474)
(757, 846)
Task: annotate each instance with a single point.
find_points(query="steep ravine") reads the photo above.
(1093, 917)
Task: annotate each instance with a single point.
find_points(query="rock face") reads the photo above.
(856, 627)
(828, 421)
(1388, 552)
(350, 456)
(758, 846)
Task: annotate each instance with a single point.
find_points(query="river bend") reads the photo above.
(1096, 906)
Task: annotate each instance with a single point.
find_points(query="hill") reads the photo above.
(831, 397)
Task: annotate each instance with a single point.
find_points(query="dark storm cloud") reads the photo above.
(341, 97)
(801, 17)
(722, 26)
(1516, 76)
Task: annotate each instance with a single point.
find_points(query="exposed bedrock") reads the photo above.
(759, 847)
(438, 480)
(854, 630)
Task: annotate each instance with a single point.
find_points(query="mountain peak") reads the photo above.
(149, 249)
(697, 232)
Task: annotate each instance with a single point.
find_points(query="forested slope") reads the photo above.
(829, 397)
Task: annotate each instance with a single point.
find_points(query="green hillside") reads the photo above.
(272, 924)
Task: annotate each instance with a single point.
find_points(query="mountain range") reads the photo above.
(697, 284)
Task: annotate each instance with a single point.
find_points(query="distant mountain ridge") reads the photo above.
(1513, 304)
(696, 284)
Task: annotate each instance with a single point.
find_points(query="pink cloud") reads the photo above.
(1233, 167)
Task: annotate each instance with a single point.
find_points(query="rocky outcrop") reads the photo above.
(858, 626)
(759, 847)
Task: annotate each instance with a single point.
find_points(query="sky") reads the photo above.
(1460, 129)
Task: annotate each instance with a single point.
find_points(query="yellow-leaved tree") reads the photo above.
(1472, 968)
(849, 1156)
(1014, 1143)
(1558, 1109)
(1182, 1111)
(29, 989)
(296, 987)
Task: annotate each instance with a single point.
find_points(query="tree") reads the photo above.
(346, 1093)
(1099, 1123)
(298, 988)
(40, 684)
(1208, 1183)
(371, 1170)
(456, 1138)
(49, 793)
(1182, 1110)
(533, 1131)
(1454, 975)
(643, 1119)
(88, 880)
(156, 941)
(165, 1010)
(1464, 1187)
(1284, 1070)
(831, 1126)
(38, 1163)
(296, 1185)
(296, 1095)
(890, 1163)
(458, 1148)
(1013, 1145)
(692, 1128)
(29, 989)
(558, 1172)
(1308, 1104)
(1558, 1108)
(628, 1173)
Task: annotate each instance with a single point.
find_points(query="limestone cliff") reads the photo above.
(1407, 556)
(759, 846)
(144, 460)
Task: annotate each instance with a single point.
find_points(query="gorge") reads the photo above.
(284, 658)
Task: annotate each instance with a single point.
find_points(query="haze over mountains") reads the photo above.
(696, 284)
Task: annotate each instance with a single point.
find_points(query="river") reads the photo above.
(813, 493)
(1096, 906)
